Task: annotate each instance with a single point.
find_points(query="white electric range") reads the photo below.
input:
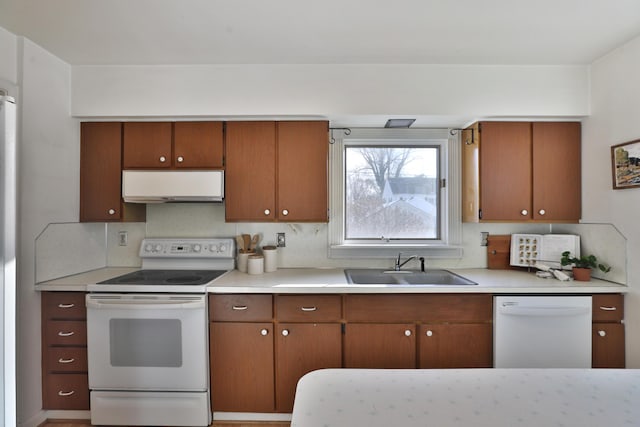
(147, 335)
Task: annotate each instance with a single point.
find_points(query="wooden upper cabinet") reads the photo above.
(101, 175)
(198, 145)
(524, 172)
(303, 152)
(556, 171)
(505, 171)
(162, 145)
(276, 171)
(250, 171)
(147, 145)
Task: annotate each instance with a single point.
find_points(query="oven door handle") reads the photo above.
(144, 305)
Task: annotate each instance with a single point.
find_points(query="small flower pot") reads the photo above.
(581, 274)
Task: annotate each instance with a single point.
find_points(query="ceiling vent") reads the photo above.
(399, 123)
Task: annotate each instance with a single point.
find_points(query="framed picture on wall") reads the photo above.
(625, 165)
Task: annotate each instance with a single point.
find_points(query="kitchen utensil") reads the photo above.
(240, 242)
(254, 242)
(247, 241)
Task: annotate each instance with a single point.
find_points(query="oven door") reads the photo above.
(147, 342)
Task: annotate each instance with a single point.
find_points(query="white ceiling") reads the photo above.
(324, 32)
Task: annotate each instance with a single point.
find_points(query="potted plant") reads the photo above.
(582, 266)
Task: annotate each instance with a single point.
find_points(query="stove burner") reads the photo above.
(165, 277)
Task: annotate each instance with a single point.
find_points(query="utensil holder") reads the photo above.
(243, 257)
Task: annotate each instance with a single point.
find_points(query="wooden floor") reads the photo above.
(86, 423)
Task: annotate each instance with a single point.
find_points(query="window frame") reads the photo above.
(448, 246)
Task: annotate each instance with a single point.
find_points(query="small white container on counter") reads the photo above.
(255, 264)
(243, 257)
(270, 258)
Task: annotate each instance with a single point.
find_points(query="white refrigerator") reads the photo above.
(8, 259)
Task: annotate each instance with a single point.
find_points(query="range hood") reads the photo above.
(162, 186)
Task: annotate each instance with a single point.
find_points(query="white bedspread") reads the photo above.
(468, 397)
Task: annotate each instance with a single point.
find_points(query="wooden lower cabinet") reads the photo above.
(607, 338)
(380, 345)
(65, 384)
(455, 345)
(302, 348)
(242, 367)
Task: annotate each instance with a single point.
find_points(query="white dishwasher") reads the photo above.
(542, 331)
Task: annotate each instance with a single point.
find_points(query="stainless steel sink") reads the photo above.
(371, 276)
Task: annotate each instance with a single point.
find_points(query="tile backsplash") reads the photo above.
(64, 249)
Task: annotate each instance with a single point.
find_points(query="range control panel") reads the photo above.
(187, 248)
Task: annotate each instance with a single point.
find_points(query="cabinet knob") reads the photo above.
(267, 211)
(66, 305)
(524, 212)
(407, 333)
(542, 212)
(65, 334)
(285, 332)
(111, 211)
(602, 333)
(65, 361)
(264, 332)
(163, 159)
(285, 212)
(180, 159)
(66, 393)
(429, 333)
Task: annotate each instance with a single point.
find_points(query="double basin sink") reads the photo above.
(368, 276)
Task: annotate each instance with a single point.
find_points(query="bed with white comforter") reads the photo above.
(468, 397)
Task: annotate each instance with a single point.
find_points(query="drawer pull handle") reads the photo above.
(239, 307)
(61, 360)
(73, 305)
(66, 393)
(608, 308)
(308, 308)
(65, 334)
(602, 333)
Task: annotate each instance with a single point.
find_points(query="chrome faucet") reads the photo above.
(399, 264)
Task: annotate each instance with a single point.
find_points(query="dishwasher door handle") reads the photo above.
(511, 310)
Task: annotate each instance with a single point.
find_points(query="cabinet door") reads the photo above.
(607, 345)
(250, 171)
(505, 171)
(303, 150)
(456, 346)
(100, 171)
(379, 345)
(147, 145)
(198, 145)
(556, 171)
(302, 348)
(241, 360)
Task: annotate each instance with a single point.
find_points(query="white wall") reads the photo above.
(8, 56)
(331, 90)
(48, 191)
(615, 91)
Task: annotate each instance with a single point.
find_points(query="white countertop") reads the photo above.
(333, 280)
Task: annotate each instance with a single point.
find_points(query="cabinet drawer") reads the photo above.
(240, 308)
(419, 308)
(64, 305)
(308, 308)
(608, 308)
(66, 332)
(66, 359)
(66, 391)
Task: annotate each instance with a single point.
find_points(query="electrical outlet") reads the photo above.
(281, 241)
(484, 238)
(123, 238)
